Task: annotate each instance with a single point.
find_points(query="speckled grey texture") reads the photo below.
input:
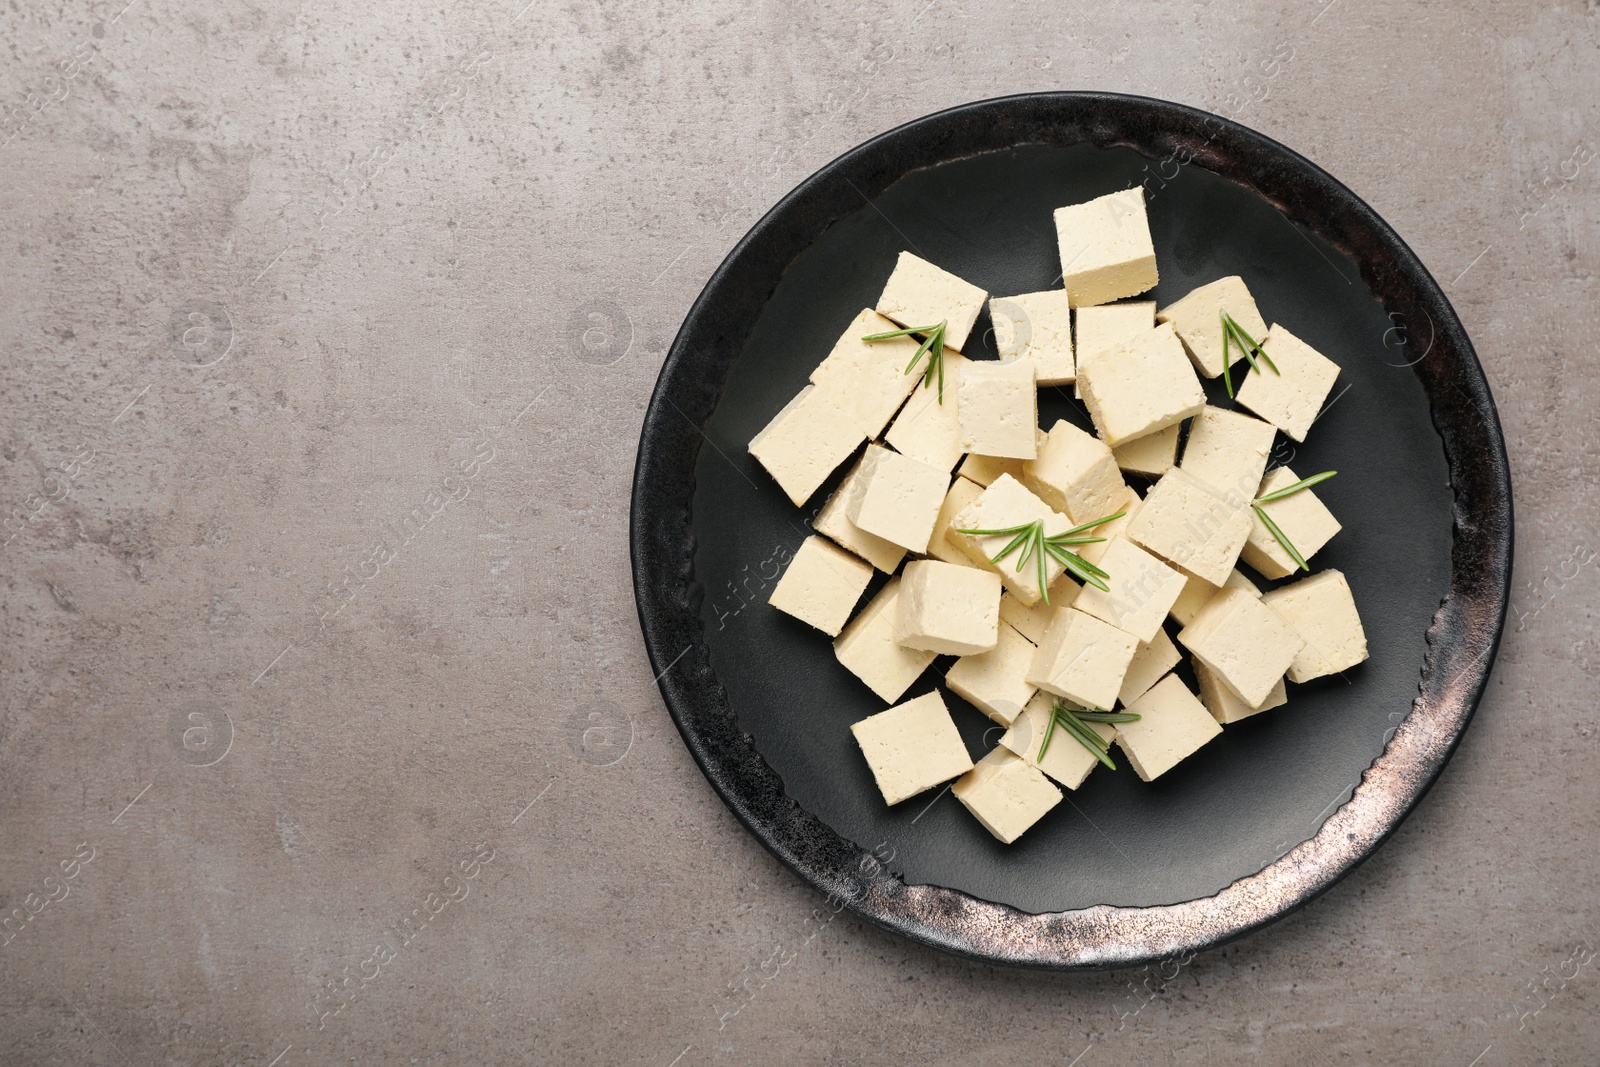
(300, 573)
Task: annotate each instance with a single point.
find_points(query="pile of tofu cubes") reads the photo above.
(1173, 554)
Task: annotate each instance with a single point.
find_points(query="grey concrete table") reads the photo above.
(327, 731)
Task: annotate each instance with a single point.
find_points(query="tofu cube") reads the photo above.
(1066, 761)
(868, 378)
(1228, 450)
(1142, 385)
(1076, 474)
(1032, 620)
(1198, 320)
(1005, 794)
(1106, 250)
(1105, 326)
(1129, 506)
(897, 498)
(1153, 454)
(995, 682)
(1151, 660)
(821, 585)
(1082, 659)
(870, 648)
(920, 294)
(957, 498)
(1292, 398)
(997, 409)
(1302, 517)
(926, 429)
(1321, 610)
(1005, 504)
(1172, 725)
(985, 469)
(1036, 328)
(1197, 593)
(912, 747)
(1227, 706)
(832, 522)
(1244, 642)
(948, 609)
(1186, 522)
(1143, 589)
(806, 441)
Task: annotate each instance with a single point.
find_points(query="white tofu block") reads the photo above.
(1172, 725)
(1292, 398)
(926, 429)
(1143, 589)
(868, 378)
(834, 523)
(1076, 474)
(960, 494)
(1032, 620)
(1129, 506)
(1140, 386)
(1066, 760)
(1244, 642)
(806, 441)
(1105, 326)
(1228, 450)
(1037, 328)
(1186, 522)
(1197, 593)
(1106, 250)
(1227, 706)
(870, 648)
(1153, 454)
(997, 409)
(1302, 517)
(1082, 659)
(1005, 794)
(949, 609)
(821, 585)
(896, 498)
(1321, 610)
(985, 469)
(994, 681)
(1151, 660)
(920, 294)
(1005, 504)
(912, 747)
(1198, 320)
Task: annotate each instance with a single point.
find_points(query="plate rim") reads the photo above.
(1461, 640)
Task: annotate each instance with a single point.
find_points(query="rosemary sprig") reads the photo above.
(1248, 345)
(1073, 722)
(1273, 528)
(1030, 538)
(932, 345)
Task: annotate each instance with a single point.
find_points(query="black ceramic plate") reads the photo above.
(1265, 816)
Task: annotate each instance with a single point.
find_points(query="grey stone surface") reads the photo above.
(280, 283)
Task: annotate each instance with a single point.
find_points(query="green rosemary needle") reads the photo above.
(1030, 539)
(1282, 538)
(1107, 716)
(1073, 722)
(1248, 345)
(1273, 528)
(932, 346)
(1290, 490)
